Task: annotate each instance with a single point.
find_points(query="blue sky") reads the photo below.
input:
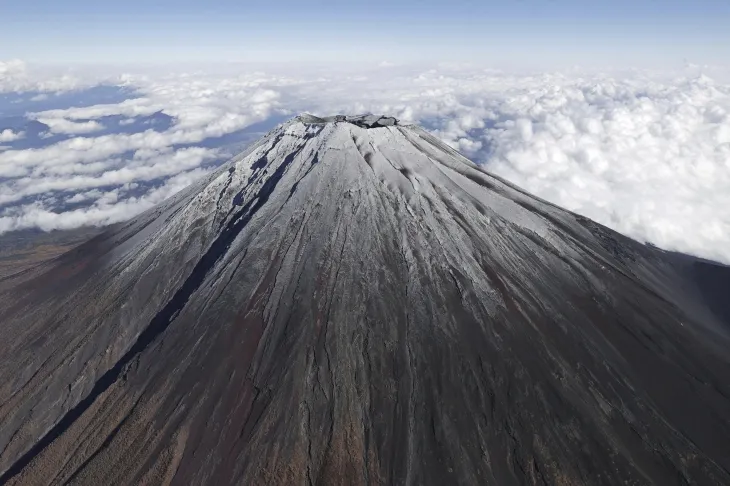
(559, 31)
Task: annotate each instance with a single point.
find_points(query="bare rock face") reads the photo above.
(353, 302)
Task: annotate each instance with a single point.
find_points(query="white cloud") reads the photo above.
(10, 71)
(647, 154)
(8, 135)
(106, 210)
(62, 125)
(15, 76)
(148, 166)
(651, 161)
(84, 196)
(84, 168)
(129, 108)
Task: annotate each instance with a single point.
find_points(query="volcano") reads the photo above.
(351, 301)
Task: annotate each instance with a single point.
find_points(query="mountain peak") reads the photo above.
(351, 301)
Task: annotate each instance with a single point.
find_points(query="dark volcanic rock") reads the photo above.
(362, 121)
(353, 302)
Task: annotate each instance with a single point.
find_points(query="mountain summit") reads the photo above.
(351, 301)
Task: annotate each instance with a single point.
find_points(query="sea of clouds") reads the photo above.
(645, 153)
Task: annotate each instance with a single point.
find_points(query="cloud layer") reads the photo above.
(16, 77)
(647, 154)
(9, 135)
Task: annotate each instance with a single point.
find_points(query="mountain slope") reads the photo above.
(352, 302)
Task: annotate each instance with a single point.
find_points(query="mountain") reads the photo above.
(351, 301)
